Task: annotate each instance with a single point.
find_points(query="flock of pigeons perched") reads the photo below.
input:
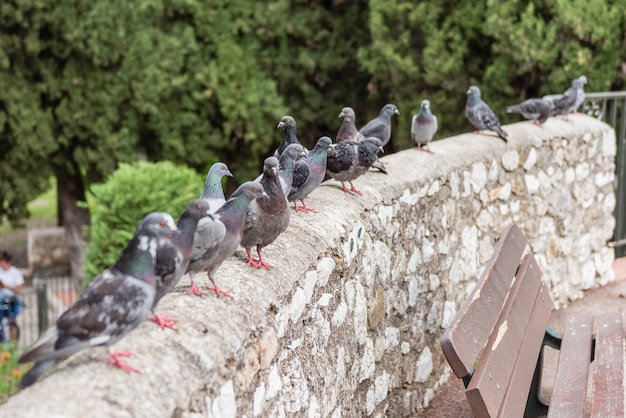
(212, 228)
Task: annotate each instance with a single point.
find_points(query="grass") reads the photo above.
(10, 371)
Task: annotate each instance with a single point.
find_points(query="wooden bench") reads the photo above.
(496, 345)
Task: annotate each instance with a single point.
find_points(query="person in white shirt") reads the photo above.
(11, 281)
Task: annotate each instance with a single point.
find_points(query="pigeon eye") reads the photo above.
(161, 223)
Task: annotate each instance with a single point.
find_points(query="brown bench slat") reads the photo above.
(572, 373)
(464, 339)
(487, 390)
(517, 392)
(608, 371)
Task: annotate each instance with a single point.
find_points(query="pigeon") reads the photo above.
(114, 304)
(347, 130)
(217, 239)
(480, 114)
(537, 110)
(423, 127)
(213, 191)
(380, 126)
(173, 255)
(308, 174)
(289, 137)
(571, 99)
(348, 160)
(287, 162)
(267, 217)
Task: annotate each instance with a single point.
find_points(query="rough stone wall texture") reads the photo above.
(47, 247)
(348, 322)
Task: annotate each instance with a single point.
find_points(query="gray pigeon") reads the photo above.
(309, 173)
(213, 191)
(380, 126)
(289, 137)
(267, 217)
(174, 253)
(347, 130)
(114, 304)
(287, 162)
(423, 127)
(217, 239)
(348, 160)
(571, 99)
(480, 115)
(537, 110)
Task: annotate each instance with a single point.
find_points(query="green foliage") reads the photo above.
(131, 192)
(87, 85)
(10, 370)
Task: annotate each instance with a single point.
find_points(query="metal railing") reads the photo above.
(610, 107)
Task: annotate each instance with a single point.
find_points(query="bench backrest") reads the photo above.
(495, 339)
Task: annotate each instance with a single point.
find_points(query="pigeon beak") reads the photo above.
(280, 124)
(397, 112)
(468, 92)
(275, 170)
(228, 173)
(341, 115)
(381, 149)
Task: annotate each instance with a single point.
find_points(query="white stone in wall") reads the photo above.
(570, 175)
(531, 159)
(484, 220)
(340, 314)
(336, 413)
(429, 394)
(469, 249)
(259, 400)
(608, 205)
(382, 258)
(449, 311)
(409, 198)
(295, 392)
(434, 188)
(392, 338)
(314, 408)
(370, 402)
(324, 300)
(510, 160)
(357, 305)
(494, 171)
(424, 366)
(381, 385)
(298, 302)
(413, 291)
(588, 275)
(414, 261)
(609, 144)
(310, 278)
(368, 361)
(582, 171)
(324, 268)
(379, 348)
(604, 178)
(479, 177)
(455, 182)
(225, 404)
(428, 250)
(282, 319)
(434, 282)
(405, 347)
(278, 411)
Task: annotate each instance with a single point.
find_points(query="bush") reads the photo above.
(131, 192)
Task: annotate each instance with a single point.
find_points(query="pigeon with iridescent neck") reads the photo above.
(213, 191)
(267, 217)
(348, 160)
(113, 305)
(571, 99)
(217, 238)
(174, 253)
(309, 173)
(290, 135)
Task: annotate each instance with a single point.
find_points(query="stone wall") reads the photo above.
(348, 322)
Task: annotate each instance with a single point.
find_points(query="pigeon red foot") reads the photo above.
(164, 321)
(115, 360)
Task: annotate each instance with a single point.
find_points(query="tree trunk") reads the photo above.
(70, 191)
